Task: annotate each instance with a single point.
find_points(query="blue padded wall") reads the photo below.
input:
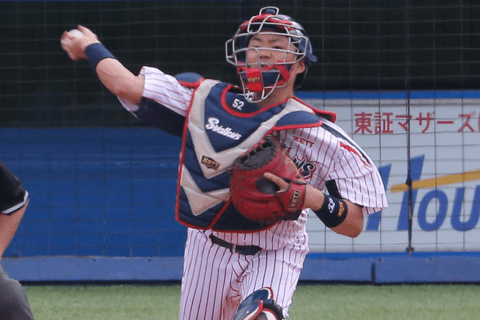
(96, 191)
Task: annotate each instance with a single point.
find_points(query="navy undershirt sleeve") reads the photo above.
(157, 115)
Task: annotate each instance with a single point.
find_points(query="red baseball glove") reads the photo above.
(258, 198)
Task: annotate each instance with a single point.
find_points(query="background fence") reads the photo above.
(361, 45)
(103, 184)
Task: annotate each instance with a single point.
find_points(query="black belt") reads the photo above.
(243, 250)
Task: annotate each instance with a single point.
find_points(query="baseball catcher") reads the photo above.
(260, 199)
(244, 212)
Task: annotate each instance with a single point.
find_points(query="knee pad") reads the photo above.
(259, 306)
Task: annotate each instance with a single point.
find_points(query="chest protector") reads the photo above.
(220, 126)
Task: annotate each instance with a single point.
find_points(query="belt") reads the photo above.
(234, 248)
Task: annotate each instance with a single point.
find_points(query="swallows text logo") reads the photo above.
(213, 124)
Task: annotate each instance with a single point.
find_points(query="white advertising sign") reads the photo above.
(444, 161)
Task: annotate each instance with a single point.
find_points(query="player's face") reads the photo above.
(267, 49)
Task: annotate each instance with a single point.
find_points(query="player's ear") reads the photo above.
(300, 65)
(298, 71)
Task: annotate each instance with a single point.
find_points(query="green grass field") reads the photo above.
(319, 301)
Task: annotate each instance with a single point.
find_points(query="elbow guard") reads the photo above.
(13, 195)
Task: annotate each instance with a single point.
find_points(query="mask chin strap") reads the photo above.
(257, 79)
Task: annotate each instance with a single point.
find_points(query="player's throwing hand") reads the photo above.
(74, 45)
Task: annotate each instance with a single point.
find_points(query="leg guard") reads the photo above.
(259, 306)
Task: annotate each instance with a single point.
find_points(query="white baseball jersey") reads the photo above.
(216, 280)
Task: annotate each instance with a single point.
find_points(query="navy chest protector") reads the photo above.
(220, 126)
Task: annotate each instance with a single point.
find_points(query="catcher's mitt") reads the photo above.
(258, 198)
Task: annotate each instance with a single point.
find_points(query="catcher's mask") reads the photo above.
(265, 78)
